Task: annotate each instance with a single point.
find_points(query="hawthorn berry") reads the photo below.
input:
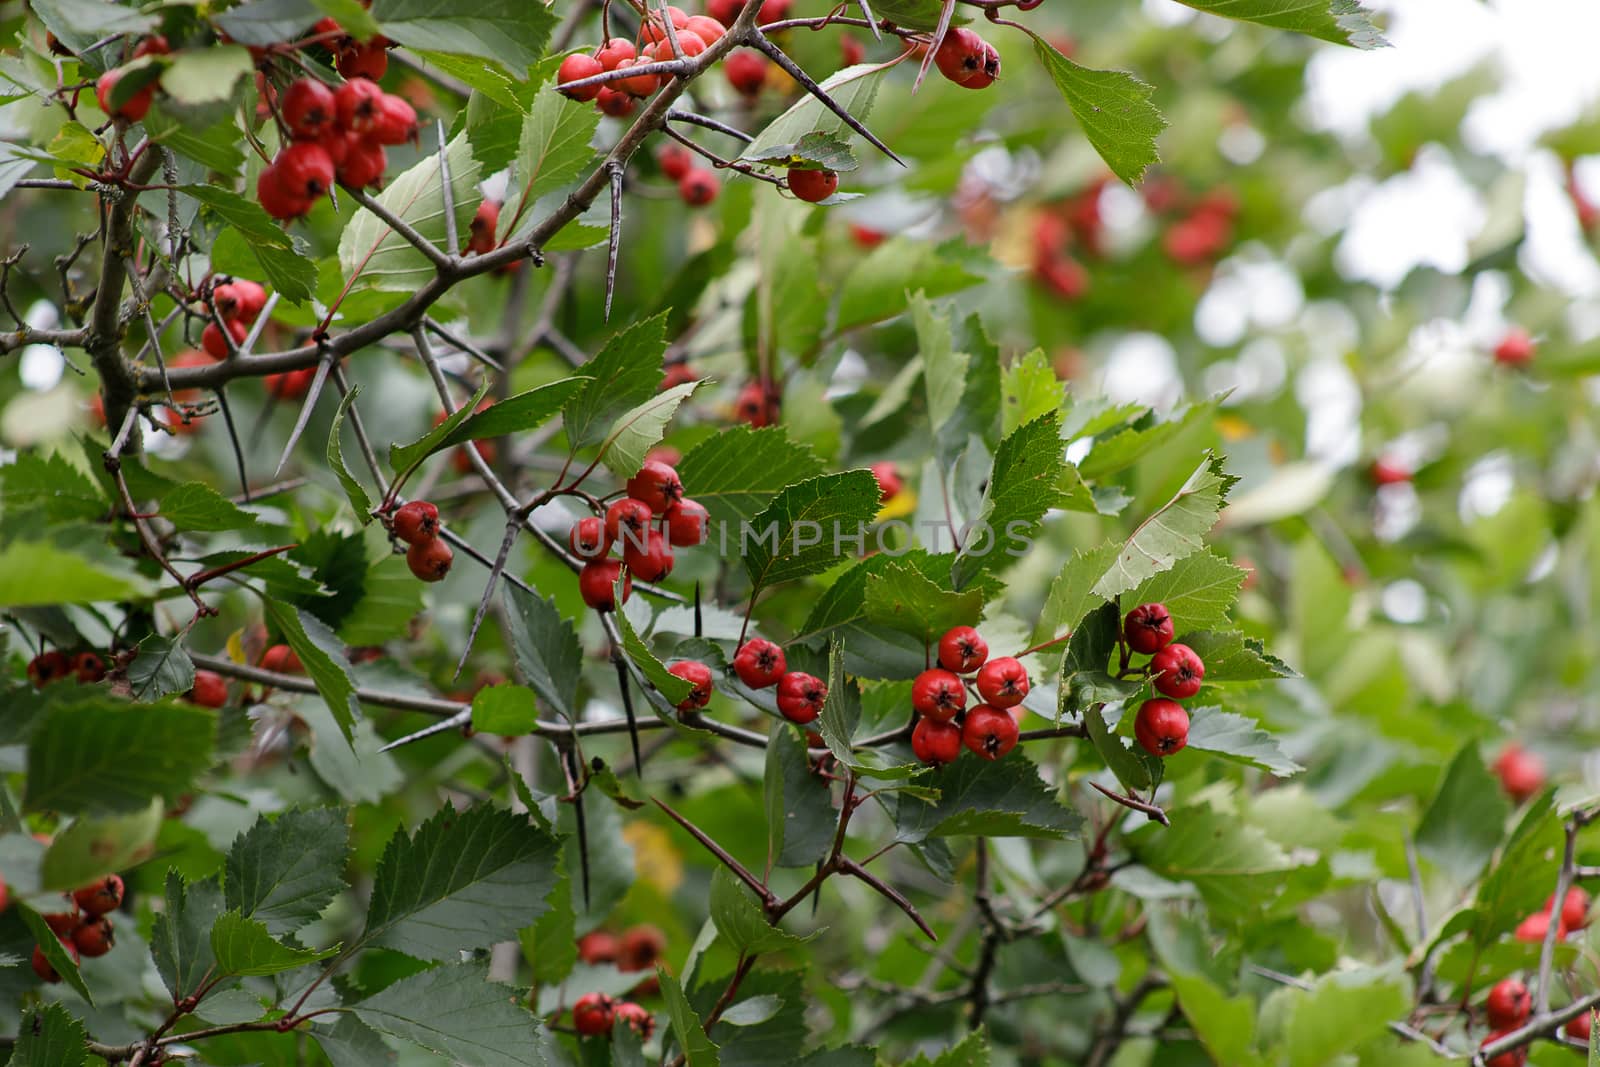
(215, 345)
(813, 186)
(364, 61)
(290, 384)
(134, 108)
(595, 582)
(240, 299)
(938, 694)
(989, 732)
(210, 690)
(1514, 1058)
(697, 674)
(1515, 349)
(154, 45)
(416, 521)
(89, 668)
(687, 523)
(42, 966)
(1148, 628)
(1521, 772)
(592, 1015)
(49, 667)
(627, 520)
(890, 484)
(397, 121)
(588, 538)
(430, 560)
(485, 225)
(746, 71)
(967, 59)
(1574, 910)
(724, 11)
(598, 946)
(282, 659)
(851, 50)
(962, 650)
(1003, 682)
(94, 937)
(936, 743)
(614, 102)
(651, 561)
(1389, 472)
(62, 923)
(5, 895)
(691, 44)
(100, 897)
(576, 67)
(639, 1020)
(305, 169)
(759, 663)
(640, 85)
(801, 696)
(1533, 928)
(757, 404)
(641, 947)
(1176, 671)
(657, 484)
(309, 108)
(706, 28)
(358, 102)
(1161, 727)
(275, 197)
(1509, 1004)
(675, 161)
(1579, 1026)
(615, 51)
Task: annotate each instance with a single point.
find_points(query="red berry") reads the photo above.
(397, 121)
(61, 923)
(276, 198)
(890, 484)
(724, 11)
(962, 650)
(641, 85)
(49, 667)
(773, 11)
(866, 236)
(364, 162)
(240, 299)
(657, 484)
(5, 895)
(430, 560)
(1579, 1026)
(1509, 1004)
(94, 937)
(1574, 910)
(358, 102)
(759, 663)
(89, 668)
(801, 696)
(964, 58)
(577, 67)
(154, 45)
(699, 187)
(485, 225)
(416, 521)
(614, 102)
(690, 43)
(757, 405)
(100, 897)
(1161, 727)
(813, 186)
(615, 51)
(364, 61)
(641, 948)
(650, 560)
(1532, 929)
(592, 1015)
(588, 538)
(134, 108)
(1515, 348)
(216, 346)
(627, 520)
(42, 967)
(1514, 1058)
(697, 674)
(706, 28)
(936, 743)
(851, 51)
(746, 71)
(687, 523)
(291, 384)
(304, 169)
(596, 580)
(1003, 682)
(675, 161)
(1148, 628)
(597, 946)
(989, 732)
(638, 1019)
(1176, 671)
(1390, 472)
(1521, 772)
(309, 108)
(938, 694)
(282, 659)
(653, 31)
(210, 690)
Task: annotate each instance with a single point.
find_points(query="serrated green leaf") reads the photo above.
(206, 75)
(285, 261)
(901, 598)
(323, 654)
(1024, 483)
(512, 33)
(807, 526)
(373, 256)
(161, 668)
(60, 491)
(265, 22)
(1464, 822)
(54, 951)
(1112, 107)
(98, 754)
(946, 369)
(1072, 595)
(456, 1012)
(354, 491)
(1133, 769)
(1173, 532)
(877, 287)
(624, 374)
(93, 845)
(1118, 451)
(34, 573)
(970, 1051)
(800, 819)
(403, 459)
(991, 798)
(515, 414)
(1521, 877)
(285, 871)
(1240, 739)
(853, 88)
(1230, 656)
(80, 23)
(1198, 591)
(1341, 1012)
(737, 472)
(672, 688)
(244, 947)
(391, 597)
(545, 649)
(349, 1042)
(1029, 389)
(196, 507)
(1338, 21)
(817, 150)
(698, 1049)
(740, 921)
(504, 709)
(48, 1036)
(1235, 866)
(1225, 1025)
(640, 429)
(181, 939)
(552, 149)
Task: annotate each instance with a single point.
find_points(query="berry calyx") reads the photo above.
(639, 1020)
(430, 560)
(100, 897)
(746, 71)
(210, 690)
(309, 108)
(688, 522)
(358, 102)
(94, 937)
(1148, 629)
(132, 109)
(936, 743)
(938, 694)
(577, 67)
(759, 663)
(596, 580)
(989, 732)
(593, 1014)
(641, 948)
(890, 484)
(1003, 682)
(1509, 1004)
(962, 650)
(967, 59)
(813, 186)
(588, 538)
(416, 521)
(1521, 772)
(1161, 727)
(699, 187)
(657, 484)
(1515, 349)
(240, 299)
(698, 675)
(801, 696)
(215, 345)
(304, 169)
(627, 520)
(651, 561)
(757, 405)
(1177, 671)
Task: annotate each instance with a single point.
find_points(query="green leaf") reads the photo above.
(970, 1051)
(80, 23)
(322, 653)
(1240, 739)
(999, 798)
(374, 256)
(456, 1012)
(807, 526)
(1339, 21)
(946, 369)
(1464, 822)
(1235, 867)
(901, 598)
(550, 945)
(181, 938)
(640, 429)
(1112, 107)
(1029, 389)
(91, 846)
(216, 149)
(740, 921)
(243, 946)
(698, 1049)
(816, 150)
(1024, 483)
(1225, 1025)
(624, 374)
(1173, 532)
(510, 32)
(505, 709)
(752, 1012)
(354, 491)
(1117, 451)
(198, 508)
(161, 668)
(670, 686)
(515, 414)
(391, 597)
(1198, 591)
(737, 472)
(853, 88)
(1072, 595)
(800, 818)
(1134, 769)
(284, 262)
(877, 286)
(403, 459)
(1520, 879)
(545, 649)
(1230, 656)
(552, 149)
(266, 22)
(284, 872)
(49, 1036)
(34, 573)
(1342, 1012)
(349, 1042)
(60, 491)
(97, 754)
(464, 880)
(54, 951)
(206, 75)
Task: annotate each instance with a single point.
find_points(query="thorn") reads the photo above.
(699, 627)
(866, 10)
(324, 365)
(512, 529)
(569, 758)
(945, 13)
(454, 722)
(627, 708)
(776, 54)
(614, 245)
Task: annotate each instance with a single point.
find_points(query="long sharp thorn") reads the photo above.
(945, 13)
(571, 758)
(614, 245)
(324, 366)
(627, 708)
(722, 854)
(454, 722)
(512, 529)
(866, 11)
(698, 626)
(776, 54)
(890, 893)
(233, 439)
(816, 894)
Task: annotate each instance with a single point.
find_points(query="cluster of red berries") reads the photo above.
(939, 697)
(654, 496)
(593, 1014)
(417, 524)
(1176, 671)
(1076, 222)
(1573, 916)
(239, 303)
(86, 929)
(138, 105)
(694, 33)
(697, 185)
(1508, 1007)
(353, 58)
(85, 668)
(337, 134)
(638, 949)
(1521, 772)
